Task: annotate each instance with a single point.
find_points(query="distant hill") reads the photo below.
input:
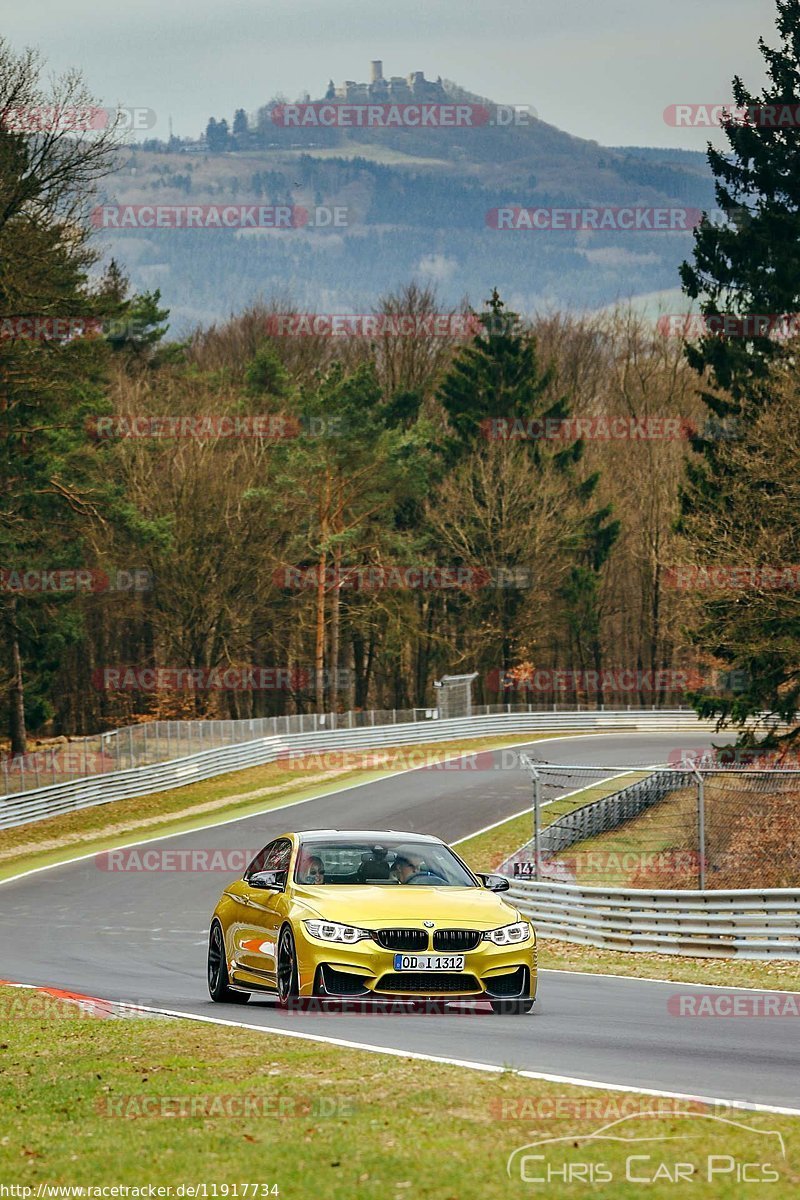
(417, 203)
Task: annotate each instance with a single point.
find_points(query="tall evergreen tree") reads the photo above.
(50, 383)
(749, 266)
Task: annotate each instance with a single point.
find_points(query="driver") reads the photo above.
(409, 867)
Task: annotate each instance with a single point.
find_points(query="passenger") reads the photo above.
(313, 870)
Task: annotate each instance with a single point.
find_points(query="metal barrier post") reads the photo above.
(701, 830)
(537, 803)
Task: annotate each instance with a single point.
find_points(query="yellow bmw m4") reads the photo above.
(347, 915)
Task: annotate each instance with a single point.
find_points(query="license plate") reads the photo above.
(429, 962)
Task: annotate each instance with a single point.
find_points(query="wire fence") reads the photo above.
(154, 742)
(709, 827)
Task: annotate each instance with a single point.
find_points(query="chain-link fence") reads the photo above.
(707, 827)
(454, 695)
(161, 741)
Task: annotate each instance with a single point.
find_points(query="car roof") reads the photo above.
(348, 835)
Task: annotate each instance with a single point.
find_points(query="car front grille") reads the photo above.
(428, 983)
(453, 940)
(402, 939)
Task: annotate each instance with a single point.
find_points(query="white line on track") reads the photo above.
(468, 1064)
(489, 1068)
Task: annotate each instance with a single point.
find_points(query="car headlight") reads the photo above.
(330, 931)
(508, 935)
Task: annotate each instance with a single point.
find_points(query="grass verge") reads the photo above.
(237, 794)
(88, 1102)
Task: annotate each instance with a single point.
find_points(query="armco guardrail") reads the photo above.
(39, 803)
(718, 924)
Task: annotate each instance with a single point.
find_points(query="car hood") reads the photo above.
(366, 906)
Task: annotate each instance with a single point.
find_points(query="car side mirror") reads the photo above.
(274, 881)
(494, 883)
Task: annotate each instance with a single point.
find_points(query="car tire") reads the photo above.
(288, 982)
(507, 1008)
(219, 988)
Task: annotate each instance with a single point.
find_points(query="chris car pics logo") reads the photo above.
(644, 1150)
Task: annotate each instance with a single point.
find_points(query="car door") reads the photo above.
(264, 909)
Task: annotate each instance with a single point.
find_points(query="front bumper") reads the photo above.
(366, 969)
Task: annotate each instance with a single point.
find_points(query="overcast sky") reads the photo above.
(602, 69)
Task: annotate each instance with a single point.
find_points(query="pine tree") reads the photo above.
(749, 266)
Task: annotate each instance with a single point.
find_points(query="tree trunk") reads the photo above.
(19, 740)
(333, 689)
(319, 648)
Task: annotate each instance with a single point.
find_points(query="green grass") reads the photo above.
(237, 794)
(88, 1102)
(781, 975)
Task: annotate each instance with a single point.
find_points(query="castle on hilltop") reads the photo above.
(397, 89)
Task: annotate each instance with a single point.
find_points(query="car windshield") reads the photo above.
(389, 861)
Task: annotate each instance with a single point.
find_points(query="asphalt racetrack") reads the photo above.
(141, 937)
